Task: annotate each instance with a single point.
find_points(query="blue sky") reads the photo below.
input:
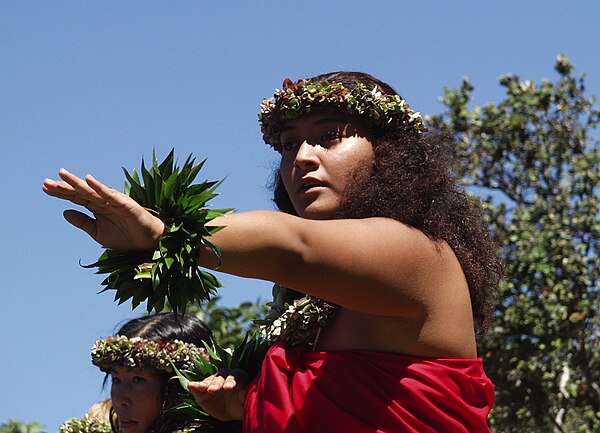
(94, 86)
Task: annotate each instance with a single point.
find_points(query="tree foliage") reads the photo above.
(16, 426)
(229, 324)
(536, 160)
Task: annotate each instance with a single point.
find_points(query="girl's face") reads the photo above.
(320, 151)
(136, 396)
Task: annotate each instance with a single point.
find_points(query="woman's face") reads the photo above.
(136, 396)
(320, 151)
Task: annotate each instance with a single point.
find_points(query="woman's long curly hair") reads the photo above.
(411, 181)
(166, 327)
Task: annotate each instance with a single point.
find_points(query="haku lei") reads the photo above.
(84, 425)
(141, 353)
(379, 111)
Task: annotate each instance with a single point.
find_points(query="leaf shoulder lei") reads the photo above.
(295, 318)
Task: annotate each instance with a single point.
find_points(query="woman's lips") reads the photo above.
(308, 185)
(127, 424)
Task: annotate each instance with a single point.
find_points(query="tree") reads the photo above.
(16, 426)
(534, 157)
(229, 324)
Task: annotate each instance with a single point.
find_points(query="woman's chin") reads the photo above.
(314, 213)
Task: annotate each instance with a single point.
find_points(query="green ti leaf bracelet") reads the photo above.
(169, 273)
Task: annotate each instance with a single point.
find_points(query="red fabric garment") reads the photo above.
(355, 391)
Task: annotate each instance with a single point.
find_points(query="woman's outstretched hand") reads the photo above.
(222, 395)
(120, 223)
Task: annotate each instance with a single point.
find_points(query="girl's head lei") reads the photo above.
(84, 425)
(141, 353)
(380, 112)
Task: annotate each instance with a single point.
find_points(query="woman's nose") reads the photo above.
(120, 398)
(306, 157)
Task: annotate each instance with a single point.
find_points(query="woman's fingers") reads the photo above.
(120, 222)
(63, 191)
(211, 384)
(73, 189)
(222, 394)
(58, 189)
(108, 195)
(90, 193)
(230, 383)
(216, 383)
(80, 187)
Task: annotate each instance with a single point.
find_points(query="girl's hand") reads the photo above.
(120, 223)
(222, 395)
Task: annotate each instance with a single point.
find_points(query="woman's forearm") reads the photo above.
(256, 244)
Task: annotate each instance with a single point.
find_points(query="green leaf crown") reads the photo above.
(379, 111)
(138, 352)
(170, 273)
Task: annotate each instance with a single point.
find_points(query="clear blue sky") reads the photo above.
(93, 86)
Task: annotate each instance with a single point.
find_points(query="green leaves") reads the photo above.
(247, 356)
(168, 274)
(536, 154)
(229, 324)
(16, 426)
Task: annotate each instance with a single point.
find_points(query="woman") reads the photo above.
(376, 232)
(139, 359)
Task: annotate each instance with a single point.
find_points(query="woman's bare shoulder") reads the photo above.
(377, 264)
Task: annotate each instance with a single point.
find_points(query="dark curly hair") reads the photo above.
(411, 181)
(166, 327)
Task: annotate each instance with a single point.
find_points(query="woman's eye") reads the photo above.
(138, 379)
(289, 144)
(115, 380)
(330, 136)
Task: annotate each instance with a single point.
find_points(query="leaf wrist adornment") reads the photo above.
(169, 273)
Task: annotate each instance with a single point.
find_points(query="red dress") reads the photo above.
(354, 391)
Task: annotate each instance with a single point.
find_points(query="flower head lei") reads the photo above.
(379, 111)
(141, 353)
(84, 425)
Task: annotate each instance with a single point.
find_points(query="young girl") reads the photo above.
(393, 257)
(138, 362)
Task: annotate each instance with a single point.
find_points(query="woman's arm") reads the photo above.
(373, 265)
(376, 265)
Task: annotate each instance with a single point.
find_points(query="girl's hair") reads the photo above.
(411, 180)
(168, 326)
(165, 327)
(100, 410)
